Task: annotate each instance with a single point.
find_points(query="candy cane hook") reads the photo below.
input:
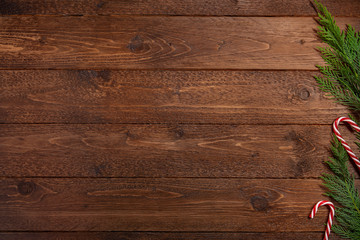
(352, 156)
(331, 215)
(342, 140)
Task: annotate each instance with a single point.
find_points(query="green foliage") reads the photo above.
(342, 57)
(341, 188)
(341, 80)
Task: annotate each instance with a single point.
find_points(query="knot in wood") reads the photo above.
(100, 4)
(26, 188)
(259, 203)
(304, 94)
(179, 133)
(136, 44)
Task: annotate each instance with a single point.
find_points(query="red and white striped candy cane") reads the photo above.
(331, 215)
(342, 140)
(352, 156)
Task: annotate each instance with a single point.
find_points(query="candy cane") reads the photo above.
(352, 156)
(342, 140)
(331, 215)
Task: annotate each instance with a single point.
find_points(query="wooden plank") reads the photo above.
(234, 205)
(44, 42)
(161, 236)
(221, 97)
(184, 7)
(246, 151)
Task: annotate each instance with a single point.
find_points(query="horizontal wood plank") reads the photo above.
(44, 42)
(277, 151)
(160, 205)
(215, 97)
(184, 7)
(161, 236)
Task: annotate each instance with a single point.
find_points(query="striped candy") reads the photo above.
(331, 215)
(342, 140)
(352, 156)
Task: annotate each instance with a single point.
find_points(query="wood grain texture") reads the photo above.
(44, 42)
(184, 7)
(233, 205)
(160, 236)
(117, 125)
(278, 151)
(215, 97)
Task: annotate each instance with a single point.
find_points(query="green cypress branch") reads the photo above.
(340, 79)
(341, 188)
(341, 73)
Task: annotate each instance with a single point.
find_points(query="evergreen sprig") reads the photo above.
(341, 80)
(341, 188)
(341, 75)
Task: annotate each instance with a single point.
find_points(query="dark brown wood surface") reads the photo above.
(92, 150)
(180, 204)
(167, 119)
(169, 7)
(57, 42)
(161, 236)
(207, 97)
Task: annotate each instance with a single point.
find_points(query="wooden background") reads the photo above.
(150, 119)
